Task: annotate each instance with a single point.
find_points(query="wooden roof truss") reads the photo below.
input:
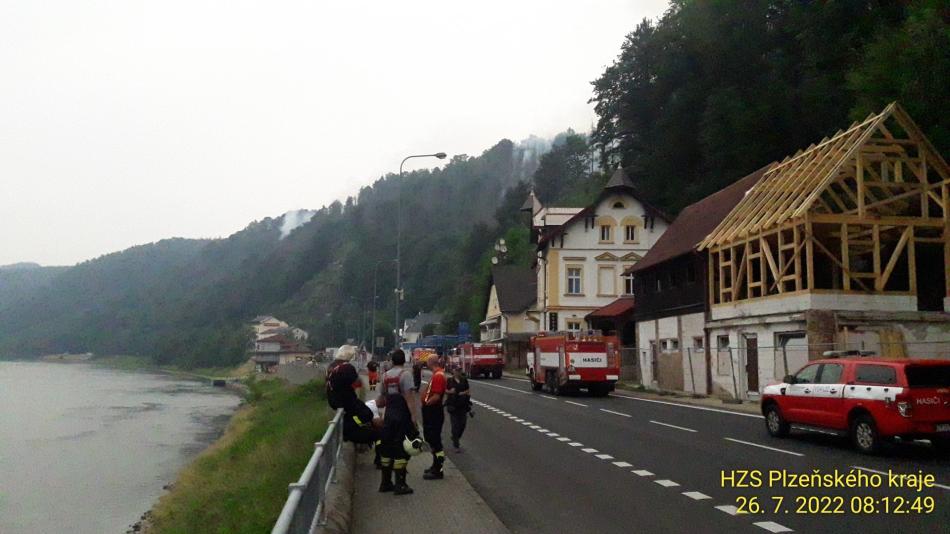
(842, 215)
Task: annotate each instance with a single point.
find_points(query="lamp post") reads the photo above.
(399, 292)
(373, 321)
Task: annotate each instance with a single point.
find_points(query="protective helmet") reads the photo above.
(412, 446)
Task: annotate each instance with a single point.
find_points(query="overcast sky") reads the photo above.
(124, 122)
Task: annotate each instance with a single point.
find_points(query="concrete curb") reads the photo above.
(339, 501)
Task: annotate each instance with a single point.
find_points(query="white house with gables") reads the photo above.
(583, 255)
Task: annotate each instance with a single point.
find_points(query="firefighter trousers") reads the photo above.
(433, 418)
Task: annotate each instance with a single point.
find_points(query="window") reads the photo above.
(807, 375)
(699, 343)
(552, 322)
(876, 374)
(619, 205)
(659, 282)
(606, 281)
(928, 376)
(630, 233)
(605, 233)
(831, 373)
(573, 326)
(628, 284)
(671, 278)
(690, 273)
(670, 344)
(574, 281)
(722, 342)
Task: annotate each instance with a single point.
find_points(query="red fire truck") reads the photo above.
(420, 355)
(568, 361)
(481, 359)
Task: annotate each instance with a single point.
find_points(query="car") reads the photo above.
(869, 399)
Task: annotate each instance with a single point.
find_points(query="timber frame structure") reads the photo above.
(849, 215)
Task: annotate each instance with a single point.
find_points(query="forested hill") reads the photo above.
(703, 95)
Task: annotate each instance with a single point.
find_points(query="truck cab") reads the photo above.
(569, 361)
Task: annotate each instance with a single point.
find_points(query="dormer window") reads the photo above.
(619, 205)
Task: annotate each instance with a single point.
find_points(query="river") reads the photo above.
(85, 449)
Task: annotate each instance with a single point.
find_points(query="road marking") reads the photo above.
(517, 420)
(623, 464)
(527, 423)
(548, 397)
(590, 450)
(674, 426)
(576, 403)
(642, 473)
(666, 483)
(729, 509)
(703, 408)
(503, 387)
(576, 444)
(534, 427)
(696, 496)
(604, 456)
(562, 438)
(772, 526)
(763, 446)
(886, 474)
(616, 413)
(553, 434)
(542, 430)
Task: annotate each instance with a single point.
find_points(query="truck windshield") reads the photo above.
(928, 376)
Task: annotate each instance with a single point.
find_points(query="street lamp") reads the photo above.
(373, 326)
(399, 291)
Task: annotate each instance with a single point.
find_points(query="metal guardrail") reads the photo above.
(304, 510)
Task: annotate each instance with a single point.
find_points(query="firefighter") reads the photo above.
(372, 373)
(433, 417)
(342, 382)
(458, 402)
(395, 392)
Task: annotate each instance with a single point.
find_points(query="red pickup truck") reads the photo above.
(868, 399)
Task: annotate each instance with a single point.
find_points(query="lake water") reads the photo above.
(87, 450)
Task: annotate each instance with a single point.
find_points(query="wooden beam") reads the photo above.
(845, 257)
(882, 280)
(838, 218)
(876, 237)
(834, 259)
(861, 186)
(796, 258)
(911, 261)
(810, 254)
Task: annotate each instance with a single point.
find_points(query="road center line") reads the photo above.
(503, 387)
(941, 486)
(616, 413)
(576, 403)
(674, 426)
(772, 526)
(763, 446)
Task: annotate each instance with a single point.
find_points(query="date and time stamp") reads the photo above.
(855, 492)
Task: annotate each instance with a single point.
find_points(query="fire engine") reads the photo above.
(568, 361)
(480, 359)
(421, 354)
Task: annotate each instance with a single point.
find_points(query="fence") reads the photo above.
(304, 509)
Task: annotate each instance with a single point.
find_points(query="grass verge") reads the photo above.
(239, 484)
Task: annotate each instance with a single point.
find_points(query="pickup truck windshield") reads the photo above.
(928, 376)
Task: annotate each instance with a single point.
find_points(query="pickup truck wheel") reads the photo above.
(776, 425)
(864, 434)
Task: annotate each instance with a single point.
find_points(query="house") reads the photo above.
(670, 288)
(581, 260)
(262, 323)
(508, 318)
(413, 329)
(269, 352)
(290, 331)
(845, 245)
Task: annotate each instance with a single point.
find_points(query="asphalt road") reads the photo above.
(619, 464)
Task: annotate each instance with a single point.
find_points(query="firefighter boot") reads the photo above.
(435, 472)
(386, 485)
(401, 487)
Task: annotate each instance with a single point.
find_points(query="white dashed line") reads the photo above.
(562, 438)
(533, 427)
(553, 434)
(772, 526)
(605, 456)
(542, 430)
(703, 408)
(576, 403)
(763, 446)
(674, 426)
(666, 483)
(886, 474)
(590, 450)
(576, 444)
(696, 496)
(503, 387)
(642, 473)
(616, 413)
(623, 464)
(729, 509)
(548, 397)
(527, 423)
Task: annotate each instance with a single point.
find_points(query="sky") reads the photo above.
(125, 122)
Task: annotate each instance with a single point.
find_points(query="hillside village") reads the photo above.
(844, 245)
